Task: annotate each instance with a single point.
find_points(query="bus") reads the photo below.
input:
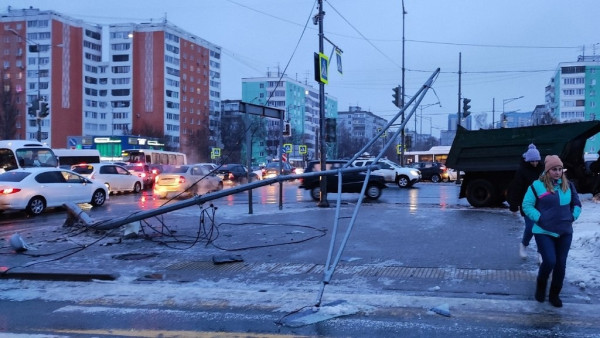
(15, 154)
(435, 154)
(151, 156)
(69, 157)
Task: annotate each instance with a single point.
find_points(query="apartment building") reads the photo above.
(573, 94)
(151, 79)
(47, 56)
(164, 81)
(300, 101)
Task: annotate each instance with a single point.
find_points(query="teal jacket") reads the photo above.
(552, 212)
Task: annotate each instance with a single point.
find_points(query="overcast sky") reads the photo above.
(510, 48)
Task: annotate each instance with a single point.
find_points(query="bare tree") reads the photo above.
(196, 145)
(8, 110)
(232, 136)
(349, 145)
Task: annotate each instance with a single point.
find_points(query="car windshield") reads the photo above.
(176, 169)
(13, 176)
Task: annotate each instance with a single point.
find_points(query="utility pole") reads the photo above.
(402, 138)
(493, 112)
(322, 147)
(459, 93)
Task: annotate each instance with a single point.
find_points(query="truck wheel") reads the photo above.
(373, 192)
(403, 182)
(481, 193)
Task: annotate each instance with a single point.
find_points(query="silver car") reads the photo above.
(186, 180)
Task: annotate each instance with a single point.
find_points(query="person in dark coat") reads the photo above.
(529, 171)
(595, 170)
(553, 204)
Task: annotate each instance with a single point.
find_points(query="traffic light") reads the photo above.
(408, 141)
(330, 130)
(466, 107)
(44, 109)
(287, 129)
(397, 97)
(35, 105)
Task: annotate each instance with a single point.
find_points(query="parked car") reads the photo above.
(235, 173)
(144, 172)
(392, 172)
(186, 180)
(35, 189)
(272, 169)
(210, 166)
(115, 177)
(260, 171)
(431, 171)
(351, 182)
(453, 174)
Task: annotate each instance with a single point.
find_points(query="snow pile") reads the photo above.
(582, 265)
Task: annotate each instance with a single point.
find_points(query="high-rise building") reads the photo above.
(166, 82)
(573, 94)
(301, 104)
(148, 79)
(48, 56)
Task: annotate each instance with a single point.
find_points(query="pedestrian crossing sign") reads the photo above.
(302, 149)
(216, 152)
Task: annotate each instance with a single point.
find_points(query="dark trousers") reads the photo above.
(554, 251)
(527, 234)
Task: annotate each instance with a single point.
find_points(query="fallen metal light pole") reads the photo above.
(77, 215)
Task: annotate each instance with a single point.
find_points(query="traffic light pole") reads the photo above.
(403, 88)
(39, 96)
(322, 147)
(459, 92)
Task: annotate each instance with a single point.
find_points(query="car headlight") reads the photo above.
(414, 172)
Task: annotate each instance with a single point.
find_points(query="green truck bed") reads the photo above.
(489, 157)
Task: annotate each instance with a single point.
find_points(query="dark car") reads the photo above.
(235, 173)
(431, 171)
(144, 172)
(272, 169)
(351, 182)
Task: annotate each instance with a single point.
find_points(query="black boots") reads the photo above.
(553, 297)
(540, 290)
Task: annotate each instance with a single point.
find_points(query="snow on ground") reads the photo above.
(582, 270)
(583, 265)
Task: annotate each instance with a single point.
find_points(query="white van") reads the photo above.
(70, 157)
(16, 154)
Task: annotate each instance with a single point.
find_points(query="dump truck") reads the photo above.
(489, 158)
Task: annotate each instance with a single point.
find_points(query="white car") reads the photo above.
(392, 172)
(452, 174)
(186, 180)
(115, 177)
(35, 189)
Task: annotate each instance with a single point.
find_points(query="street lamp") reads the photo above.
(504, 102)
